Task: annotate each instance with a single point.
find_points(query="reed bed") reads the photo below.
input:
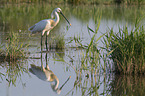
(13, 50)
(128, 51)
(76, 2)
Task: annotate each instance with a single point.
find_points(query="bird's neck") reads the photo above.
(56, 17)
(56, 83)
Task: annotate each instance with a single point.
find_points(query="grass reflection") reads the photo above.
(88, 70)
(128, 85)
(11, 58)
(14, 71)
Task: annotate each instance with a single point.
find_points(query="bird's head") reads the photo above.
(55, 10)
(58, 10)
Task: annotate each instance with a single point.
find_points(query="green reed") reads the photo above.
(128, 53)
(88, 66)
(11, 53)
(23, 16)
(57, 42)
(13, 49)
(74, 2)
(91, 58)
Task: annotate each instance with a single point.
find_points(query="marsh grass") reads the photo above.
(88, 70)
(14, 71)
(88, 66)
(10, 55)
(128, 50)
(57, 42)
(13, 49)
(75, 2)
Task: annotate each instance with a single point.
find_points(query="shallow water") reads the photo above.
(20, 18)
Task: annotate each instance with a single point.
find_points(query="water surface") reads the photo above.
(18, 18)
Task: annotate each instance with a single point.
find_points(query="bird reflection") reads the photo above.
(45, 74)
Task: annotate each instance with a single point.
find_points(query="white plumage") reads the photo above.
(47, 24)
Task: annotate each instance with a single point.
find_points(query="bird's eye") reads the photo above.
(58, 10)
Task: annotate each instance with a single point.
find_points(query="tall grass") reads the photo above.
(13, 49)
(10, 54)
(23, 16)
(91, 58)
(57, 42)
(76, 1)
(88, 68)
(128, 50)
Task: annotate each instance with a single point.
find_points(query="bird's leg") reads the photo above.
(46, 43)
(46, 40)
(41, 42)
(47, 67)
(42, 67)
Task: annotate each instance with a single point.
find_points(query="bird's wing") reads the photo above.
(40, 26)
(37, 71)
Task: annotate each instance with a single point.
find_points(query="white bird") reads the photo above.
(47, 24)
(46, 74)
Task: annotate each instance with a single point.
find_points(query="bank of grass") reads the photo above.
(128, 47)
(74, 2)
(13, 50)
(77, 2)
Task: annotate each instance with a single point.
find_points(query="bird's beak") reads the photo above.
(65, 82)
(65, 18)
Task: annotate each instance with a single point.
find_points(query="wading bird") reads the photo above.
(46, 74)
(47, 25)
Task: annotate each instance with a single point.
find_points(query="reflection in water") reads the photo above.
(46, 74)
(128, 86)
(12, 71)
(87, 82)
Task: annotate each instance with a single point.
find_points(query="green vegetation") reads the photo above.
(125, 48)
(17, 17)
(57, 42)
(128, 50)
(13, 50)
(76, 2)
(88, 69)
